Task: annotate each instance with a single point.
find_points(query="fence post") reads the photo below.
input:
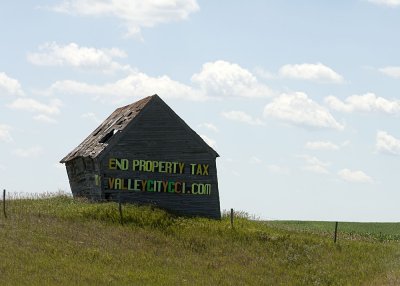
(120, 208)
(336, 226)
(231, 218)
(4, 203)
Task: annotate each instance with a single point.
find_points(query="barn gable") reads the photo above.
(108, 132)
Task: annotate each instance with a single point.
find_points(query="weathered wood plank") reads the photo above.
(156, 134)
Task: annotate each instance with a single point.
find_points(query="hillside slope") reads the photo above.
(61, 241)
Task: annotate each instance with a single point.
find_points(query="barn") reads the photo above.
(144, 153)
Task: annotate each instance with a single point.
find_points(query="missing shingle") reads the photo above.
(108, 136)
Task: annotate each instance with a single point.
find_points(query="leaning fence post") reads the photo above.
(120, 209)
(336, 225)
(231, 218)
(4, 203)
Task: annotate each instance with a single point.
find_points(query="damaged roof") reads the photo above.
(96, 142)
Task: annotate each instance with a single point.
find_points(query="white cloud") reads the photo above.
(32, 105)
(313, 72)
(215, 79)
(211, 142)
(389, 3)
(135, 14)
(354, 176)
(241, 116)
(5, 134)
(9, 85)
(368, 102)
(222, 78)
(386, 143)
(209, 126)
(297, 108)
(391, 71)
(32, 152)
(135, 85)
(321, 145)
(72, 55)
(44, 118)
(92, 117)
(313, 164)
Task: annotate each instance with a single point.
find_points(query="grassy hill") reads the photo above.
(61, 241)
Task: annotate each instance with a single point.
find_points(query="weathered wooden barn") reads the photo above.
(145, 153)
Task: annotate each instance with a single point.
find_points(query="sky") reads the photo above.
(299, 98)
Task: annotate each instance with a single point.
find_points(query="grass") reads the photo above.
(60, 241)
(349, 230)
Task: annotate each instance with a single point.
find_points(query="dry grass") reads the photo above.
(61, 241)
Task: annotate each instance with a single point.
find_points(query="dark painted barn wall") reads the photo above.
(158, 135)
(82, 178)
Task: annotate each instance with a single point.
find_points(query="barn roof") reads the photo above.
(96, 142)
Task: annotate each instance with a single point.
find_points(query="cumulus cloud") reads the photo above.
(222, 78)
(5, 134)
(389, 3)
(368, 102)
(354, 176)
(211, 142)
(9, 85)
(391, 71)
(209, 126)
(298, 109)
(313, 164)
(387, 143)
(241, 116)
(313, 72)
(32, 105)
(135, 14)
(135, 85)
(31, 152)
(321, 145)
(72, 55)
(215, 80)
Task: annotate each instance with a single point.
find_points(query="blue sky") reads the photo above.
(299, 98)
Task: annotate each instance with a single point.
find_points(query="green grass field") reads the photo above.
(347, 230)
(61, 241)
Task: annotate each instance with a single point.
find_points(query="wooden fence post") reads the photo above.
(120, 209)
(231, 218)
(4, 203)
(336, 226)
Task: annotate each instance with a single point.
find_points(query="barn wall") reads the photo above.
(158, 136)
(81, 174)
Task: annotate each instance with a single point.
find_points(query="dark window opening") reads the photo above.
(108, 136)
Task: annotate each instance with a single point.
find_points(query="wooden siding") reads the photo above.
(158, 135)
(150, 130)
(81, 174)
